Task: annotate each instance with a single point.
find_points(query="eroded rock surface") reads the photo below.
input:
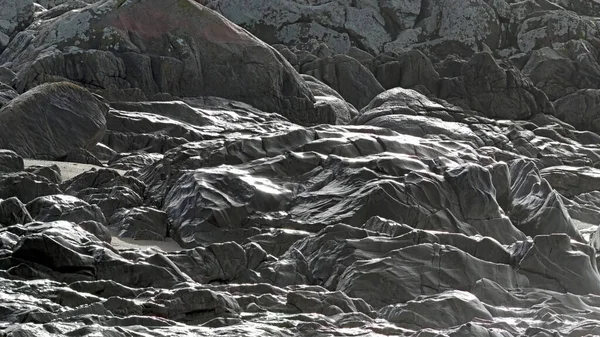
(386, 168)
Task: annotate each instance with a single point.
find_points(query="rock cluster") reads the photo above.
(299, 168)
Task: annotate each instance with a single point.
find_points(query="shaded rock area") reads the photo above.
(326, 168)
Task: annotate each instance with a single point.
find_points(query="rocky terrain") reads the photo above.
(299, 168)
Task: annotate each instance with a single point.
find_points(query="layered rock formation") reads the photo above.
(385, 168)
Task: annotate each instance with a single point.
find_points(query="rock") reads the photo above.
(82, 156)
(452, 27)
(26, 186)
(52, 173)
(330, 101)
(7, 94)
(406, 70)
(110, 198)
(451, 309)
(355, 83)
(134, 161)
(10, 162)
(564, 69)
(579, 109)
(109, 36)
(140, 223)
(64, 207)
(485, 86)
(420, 270)
(52, 120)
(13, 212)
(535, 208)
(572, 181)
(96, 228)
(545, 28)
(16, 16)
(577, 274)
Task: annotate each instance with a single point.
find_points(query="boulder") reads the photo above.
(13, 212)
(51, 120)
(64, 207)
(330, 102)
(10, 162)
(558, 263)
(140, 223)
(353, 81)
(494, 89)
(564, 69)
(182, 49)
(580, 109)
(26, 186)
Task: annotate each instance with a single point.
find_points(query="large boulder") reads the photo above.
(52, 120)
(495, 89)
(580, 109)
(347, 76)
(184, 49)
(564, 69)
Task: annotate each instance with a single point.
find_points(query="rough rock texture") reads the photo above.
(51, 120)
(178, 47)
(462, 199)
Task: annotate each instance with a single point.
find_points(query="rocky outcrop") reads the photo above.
(166, 49)
(50, 121)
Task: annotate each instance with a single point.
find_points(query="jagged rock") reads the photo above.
(51, 172)
(420, 270)
(134, 161)
(556, 262)
(535, 208)
(64, 207)
(111, 198)
(446, 310)
(334, 23)
(409, 112)
(89, 179)
(112, 40)
(82, 156)
(330, 101)
(453, 27)
(13, 212)
(140, 223)
(51, 120)
(354, 82)
(564, 69)
(580, 109)
(406, 70)
(10, 162)
(544, 28)
(7, 94)
(26, 186)
(572, 181)
(157, 127)
(96, 228)
(495, 91)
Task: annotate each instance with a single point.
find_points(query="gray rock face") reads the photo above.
(140, 223)
(355, 83)
(580, 109)
(458, 202)
(110, 39)
(51, 120)
(10, 162)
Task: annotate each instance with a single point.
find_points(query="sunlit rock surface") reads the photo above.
(385, 168)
